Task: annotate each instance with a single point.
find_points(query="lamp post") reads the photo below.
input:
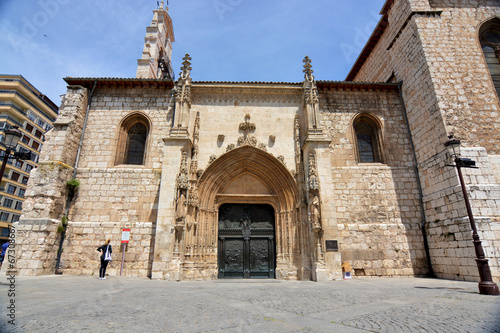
(12, 137)
(486, 284)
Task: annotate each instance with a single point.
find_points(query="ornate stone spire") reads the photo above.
(308, 68)
(186, 67)
(311, 101)
(182, 93)
(155, 62)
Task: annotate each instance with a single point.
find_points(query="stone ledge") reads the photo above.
(37, 221)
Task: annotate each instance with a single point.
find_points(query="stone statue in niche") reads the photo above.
(180, 208)
(314, 209)
(313, 180)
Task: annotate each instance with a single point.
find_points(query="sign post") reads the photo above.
(125, 239)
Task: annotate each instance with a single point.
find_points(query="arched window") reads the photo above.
(489, 36)
(368, 141)
(132, 140)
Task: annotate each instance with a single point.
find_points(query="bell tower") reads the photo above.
(155, 62)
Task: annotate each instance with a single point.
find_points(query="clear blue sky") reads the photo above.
(229, 40)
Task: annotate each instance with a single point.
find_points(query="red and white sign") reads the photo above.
(125, 235)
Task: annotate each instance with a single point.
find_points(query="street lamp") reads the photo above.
(12, 137)
(486, 285)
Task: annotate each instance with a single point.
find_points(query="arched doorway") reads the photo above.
(246, 241)
(248, 176)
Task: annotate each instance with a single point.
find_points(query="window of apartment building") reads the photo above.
(32, 116)
(3, 125)
(15, 218)
(21, 192)
(34, 157)
(5, 232)
(28, 167)
(11, 189)
(4, 216)
(15, 176)
(7, 202)
(24, 180)
(38, 134)
(29, 127)
(48, 127)
(40, 123)
(18, 164)
(19, 205)
(25, 140)
(35, 145)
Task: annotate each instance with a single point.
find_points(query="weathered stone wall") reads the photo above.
(80, 254)
(37, 242)
(433, 48)
(452, 249)
(377, 204)
(46, 194)
(112, 197)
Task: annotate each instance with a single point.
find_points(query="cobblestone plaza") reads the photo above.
(127, 304)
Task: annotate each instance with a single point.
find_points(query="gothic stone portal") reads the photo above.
(246, 241)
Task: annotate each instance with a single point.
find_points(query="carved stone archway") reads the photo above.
(269, 182)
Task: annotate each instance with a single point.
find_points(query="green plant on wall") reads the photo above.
(62, 227)
(73, 184)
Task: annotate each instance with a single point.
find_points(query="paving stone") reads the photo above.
(86, 304)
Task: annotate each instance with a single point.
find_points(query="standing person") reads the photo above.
(105, 258)
(2, 255)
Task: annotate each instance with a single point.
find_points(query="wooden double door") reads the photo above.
(246, 241)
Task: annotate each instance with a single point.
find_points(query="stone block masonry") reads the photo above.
(433, 48)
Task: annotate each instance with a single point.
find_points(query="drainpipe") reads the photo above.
(420, 191)
(70, 196)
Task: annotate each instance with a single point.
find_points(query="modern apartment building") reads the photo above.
(22, 105)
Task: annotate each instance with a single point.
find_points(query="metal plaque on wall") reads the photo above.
(331, 245)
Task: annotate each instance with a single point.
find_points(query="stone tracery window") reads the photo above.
(489, 37)
(368, 141)
(132, 141)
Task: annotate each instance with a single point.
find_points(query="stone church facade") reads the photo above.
(280, 180)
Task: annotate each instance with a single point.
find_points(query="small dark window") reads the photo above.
(18, 164)
(4, 216)
(21, 192)
(367, 140)
(29, 127)
(38, 134)
(15, 176)
(25, 140)
(365, 148)
(15, 218)
(19, 205)
(136, 144)
(489, 37)
(24, 180)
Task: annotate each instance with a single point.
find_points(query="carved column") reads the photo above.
(320, 197)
